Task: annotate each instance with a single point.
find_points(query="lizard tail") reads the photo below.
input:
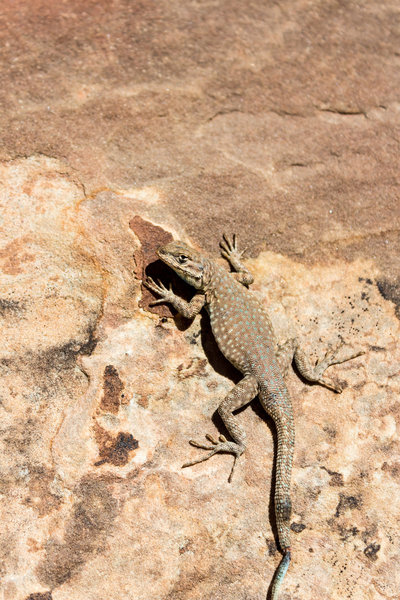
(280, 574)
(277, 405)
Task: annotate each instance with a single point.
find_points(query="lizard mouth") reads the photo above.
(171, 262)
(185, 272)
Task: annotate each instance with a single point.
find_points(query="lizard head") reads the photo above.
(190, 265)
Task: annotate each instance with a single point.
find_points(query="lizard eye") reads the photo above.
(182, 259)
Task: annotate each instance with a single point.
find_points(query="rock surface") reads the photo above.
(127, 124)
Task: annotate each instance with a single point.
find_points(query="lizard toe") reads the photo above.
(223, 446)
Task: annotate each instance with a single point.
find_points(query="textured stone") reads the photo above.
(124, 125)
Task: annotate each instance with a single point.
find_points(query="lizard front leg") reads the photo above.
(186, 309)
(233, 255)
(240, 395)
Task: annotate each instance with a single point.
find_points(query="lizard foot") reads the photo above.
(159, 289)
(330, 359)
(217, 446)
(229, 249)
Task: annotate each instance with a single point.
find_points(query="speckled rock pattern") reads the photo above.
(125, 125)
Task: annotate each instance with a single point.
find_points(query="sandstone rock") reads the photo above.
(125, 126)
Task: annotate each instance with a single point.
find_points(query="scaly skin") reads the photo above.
(243, 332)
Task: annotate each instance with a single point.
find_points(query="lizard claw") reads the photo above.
(330, 359)
(229, 247)
(198, 445)
(331, 354)
(148, 282)
(221, 446)
(159, 289)
(151, 285)
(159, 301)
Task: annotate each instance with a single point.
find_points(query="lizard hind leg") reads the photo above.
(284, 355)
(316, 373)
(239, 396)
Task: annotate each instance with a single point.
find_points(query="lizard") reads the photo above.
(244, 334)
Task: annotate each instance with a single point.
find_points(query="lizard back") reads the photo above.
(242, 328)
